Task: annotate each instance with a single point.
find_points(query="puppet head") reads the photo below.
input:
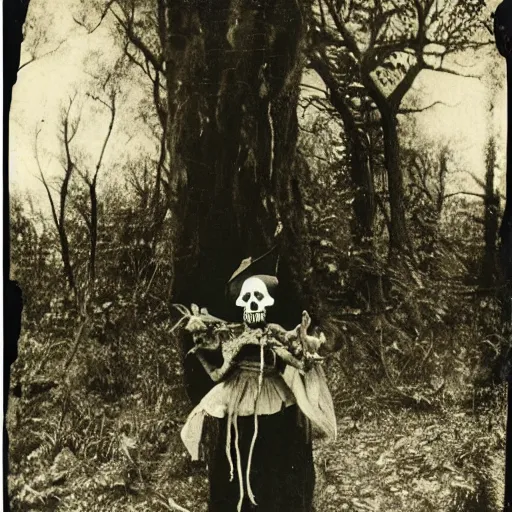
(252, 285)
(255, 299)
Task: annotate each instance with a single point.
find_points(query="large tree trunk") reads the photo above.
(399, 242)
(233, 72)
(400, 247)
(364, 216)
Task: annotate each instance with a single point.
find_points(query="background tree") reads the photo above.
(492, 212)
(386, 46)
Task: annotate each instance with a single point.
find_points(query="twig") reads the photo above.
(102, 17)
(174, 506)
(170, 504)
(422, 109)
(35, 493)
(314, 88)
(35, 57)
(82, 331)
(427, 354)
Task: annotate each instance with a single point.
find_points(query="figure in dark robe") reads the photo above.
(268, 391)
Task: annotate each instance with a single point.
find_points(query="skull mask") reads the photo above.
(254, 298)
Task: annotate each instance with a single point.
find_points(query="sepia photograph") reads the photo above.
(261, 252)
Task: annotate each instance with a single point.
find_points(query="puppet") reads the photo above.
(269, 390)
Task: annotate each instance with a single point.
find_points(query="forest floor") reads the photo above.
(449, 461)
(443, 461)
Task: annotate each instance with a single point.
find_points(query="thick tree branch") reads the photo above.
(396, 97)
(348, 37)
(474, 194)
(135, 39)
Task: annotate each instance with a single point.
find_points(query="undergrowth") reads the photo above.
(102, 433)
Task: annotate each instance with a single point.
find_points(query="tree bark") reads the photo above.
(233, 75)
(399, 242)
(400, 247)
(361, 175)
(66, 258)
(491, 222)
(94, 232)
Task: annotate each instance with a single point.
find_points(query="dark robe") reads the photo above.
(282, 472)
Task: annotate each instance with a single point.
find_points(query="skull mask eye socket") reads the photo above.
(246, 297)
(259, 295)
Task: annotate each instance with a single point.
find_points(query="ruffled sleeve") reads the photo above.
(313, 397)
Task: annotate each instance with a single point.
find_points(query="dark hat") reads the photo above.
(263, 267)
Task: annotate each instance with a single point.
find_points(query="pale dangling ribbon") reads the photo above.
(233, 421)
(255, 434)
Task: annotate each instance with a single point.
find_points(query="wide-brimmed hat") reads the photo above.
(264, 267)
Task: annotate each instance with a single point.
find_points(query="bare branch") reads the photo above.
(127, 25)
(44, 182)
(112, 108)
(460, 193)
(131, 57)
(343, 30)
(35, 57)
(313, 88)
(479, 181)
(442, 69)
(422, 109)
(104, 12)
(59, 217)
(69, 133)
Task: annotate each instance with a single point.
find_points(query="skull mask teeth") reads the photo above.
(254, 318)
(254, 298)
